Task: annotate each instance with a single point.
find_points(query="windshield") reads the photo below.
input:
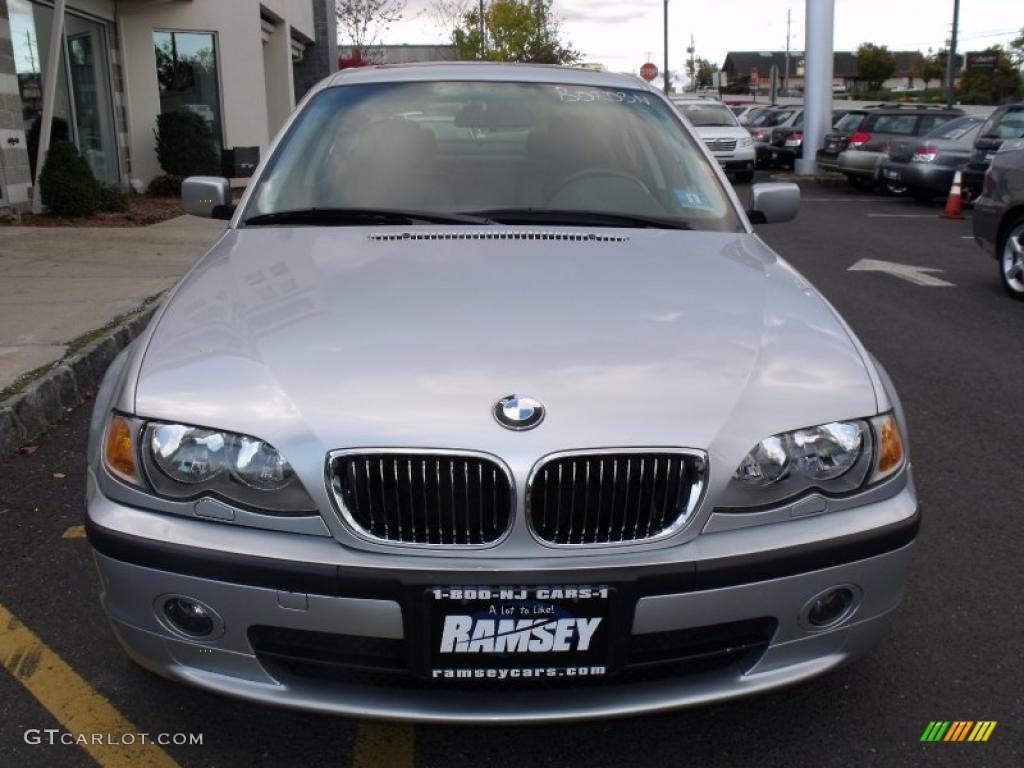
(446, 148)
(709, 115)
(954, 130)
(1007, 125)
(770, 118)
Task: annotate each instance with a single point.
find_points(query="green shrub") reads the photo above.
(66, 183)
(184, 145)
(58, 132)
(165, 186)
(113, 199)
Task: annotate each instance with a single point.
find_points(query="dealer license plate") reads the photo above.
(518, 633)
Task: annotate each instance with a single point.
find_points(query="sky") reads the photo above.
(622, 33)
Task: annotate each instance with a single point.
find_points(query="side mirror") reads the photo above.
(208, 197)
(772, 203)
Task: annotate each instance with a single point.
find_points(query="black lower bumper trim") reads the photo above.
(390, 584)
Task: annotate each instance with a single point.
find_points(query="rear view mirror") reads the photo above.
(207, 196)
(772, 203)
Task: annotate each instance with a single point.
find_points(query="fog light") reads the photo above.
(830, 607)
(190, 617)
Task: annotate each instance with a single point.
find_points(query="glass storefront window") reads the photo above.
(83, 110)
(186, 70)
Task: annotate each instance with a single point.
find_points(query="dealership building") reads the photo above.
(105, 69)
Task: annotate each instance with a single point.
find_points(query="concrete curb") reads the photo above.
(71, 381)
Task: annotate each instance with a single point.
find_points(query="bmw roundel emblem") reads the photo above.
(518, 412)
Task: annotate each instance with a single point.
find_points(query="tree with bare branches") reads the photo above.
(448, 14)
(364, 22)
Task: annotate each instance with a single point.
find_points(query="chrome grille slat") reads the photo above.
(650, 494)
(721, 145)
(463, 499)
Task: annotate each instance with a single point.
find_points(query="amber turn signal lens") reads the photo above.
(120, 451)
(890, 450)
(889, 453)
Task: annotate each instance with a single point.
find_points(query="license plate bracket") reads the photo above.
(518, 634)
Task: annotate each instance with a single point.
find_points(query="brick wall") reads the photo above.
(321, 58)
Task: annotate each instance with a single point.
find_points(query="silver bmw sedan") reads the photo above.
(490, 406)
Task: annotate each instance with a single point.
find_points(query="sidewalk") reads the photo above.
(59, 283)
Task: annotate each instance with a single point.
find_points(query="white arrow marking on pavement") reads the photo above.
(908, 272)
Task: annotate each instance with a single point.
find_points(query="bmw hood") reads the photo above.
(324, 338)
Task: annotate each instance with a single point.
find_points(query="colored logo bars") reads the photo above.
(958, 730)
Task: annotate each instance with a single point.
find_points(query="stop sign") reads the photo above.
(648, 71)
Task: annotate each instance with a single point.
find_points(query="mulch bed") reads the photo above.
(142, 212)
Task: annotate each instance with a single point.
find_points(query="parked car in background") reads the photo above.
(1006, 122)
(838, 88)
(999, 215)
(925, 167)
(762, 126)
(728, 141)
(752, 113)
(836, 140)
(743, 111)
(787, 142)
(866, 147)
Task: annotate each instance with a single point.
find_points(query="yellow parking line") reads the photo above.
(74, 532)
(384, 745)
(81, 710)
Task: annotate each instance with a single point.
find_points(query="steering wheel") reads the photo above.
(597, 173)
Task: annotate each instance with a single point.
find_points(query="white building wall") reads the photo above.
(240, 58)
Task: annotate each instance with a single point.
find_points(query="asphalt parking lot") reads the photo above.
(953, 653)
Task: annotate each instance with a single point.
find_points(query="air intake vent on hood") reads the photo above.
(568, 237)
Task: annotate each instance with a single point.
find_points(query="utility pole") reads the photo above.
(951, 58)
(31, 52)
(785, 81)
(693, 68)
(483, 32)
(665, 74)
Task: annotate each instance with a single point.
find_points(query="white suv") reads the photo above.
(728, 141)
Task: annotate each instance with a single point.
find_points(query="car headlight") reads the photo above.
(746, 142)
(835, 458)
(185, 462)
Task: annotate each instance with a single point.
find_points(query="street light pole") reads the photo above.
(820, 29)
(951, 58)
(668, 86)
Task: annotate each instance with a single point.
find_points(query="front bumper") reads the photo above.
(986, 221)
(741, 159)
(252, 591)
(973, 177)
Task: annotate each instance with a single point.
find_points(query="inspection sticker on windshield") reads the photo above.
(691, 199)
(516, 633)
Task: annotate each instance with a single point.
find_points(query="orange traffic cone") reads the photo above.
(955, 201)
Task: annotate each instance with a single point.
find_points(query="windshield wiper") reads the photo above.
(354, 217)
(578, 218)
